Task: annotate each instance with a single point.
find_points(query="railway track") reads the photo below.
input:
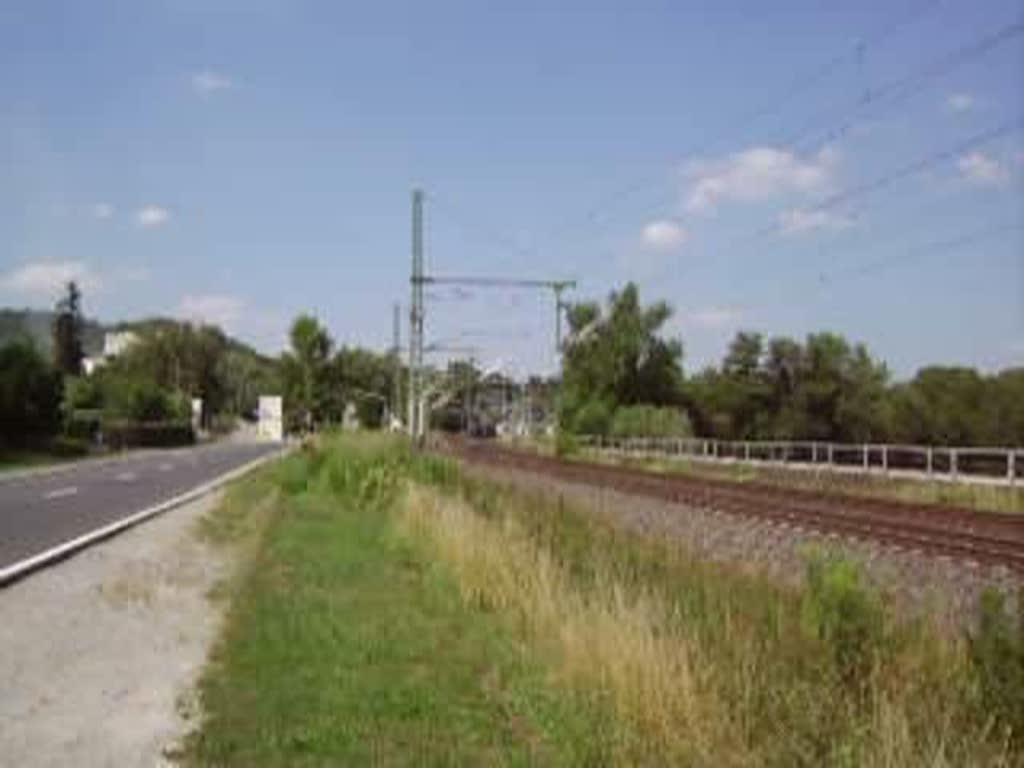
(986, 538)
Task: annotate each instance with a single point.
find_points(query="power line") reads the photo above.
(948, 244)
(902, 88)
(800, 85)
(911, 169)
(907, 86)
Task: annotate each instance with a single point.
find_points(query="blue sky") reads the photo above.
(244, 161)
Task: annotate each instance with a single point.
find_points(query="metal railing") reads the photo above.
(951, 463)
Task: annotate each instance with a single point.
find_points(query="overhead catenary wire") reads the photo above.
(800, 85)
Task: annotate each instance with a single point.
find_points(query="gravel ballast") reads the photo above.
(914, 581)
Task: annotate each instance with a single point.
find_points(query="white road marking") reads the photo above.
(166, 467)
(23, 567)
(60, 493)
(126, 477)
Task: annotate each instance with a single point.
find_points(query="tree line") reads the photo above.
(619, 366)
(145, 393)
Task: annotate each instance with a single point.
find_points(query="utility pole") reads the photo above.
(416, 317)
(396, 361)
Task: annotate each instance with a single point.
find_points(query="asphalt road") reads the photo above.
(41, 511)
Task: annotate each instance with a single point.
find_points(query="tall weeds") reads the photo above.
(696, 665)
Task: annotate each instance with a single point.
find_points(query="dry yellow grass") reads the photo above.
(611, 642)
(673, 697)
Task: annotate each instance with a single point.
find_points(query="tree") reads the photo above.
(617, 356)
(30, 395)
(307, 372)
(67, 332)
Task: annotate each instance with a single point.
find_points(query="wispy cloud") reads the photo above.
(103, 210)
(979, 168)
(45, 279)
(152, 216)
(664, 235)
(960, 102)
(758, 173)
(209, 82)
(796, 221)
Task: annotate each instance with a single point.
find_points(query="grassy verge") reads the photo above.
(12, 460)
(346, 645)
(994, 498)
(395, 612)
(701, 665)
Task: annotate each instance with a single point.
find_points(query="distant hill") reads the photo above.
(36, 325)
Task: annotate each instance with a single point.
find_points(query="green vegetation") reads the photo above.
(346, 645)
(393, 611)
(617, 358)
(319, 386)
(35, 326)
(822, 389)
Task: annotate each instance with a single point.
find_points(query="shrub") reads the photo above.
(566, 443)
(594, 418)
(997, 658)
(30, 395)
(133, 434)
(69, 447)
(83, 425)
(841, 612)
(650, 421)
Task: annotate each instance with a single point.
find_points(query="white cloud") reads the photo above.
(46, 279)
(759, 173)
(982, 169)
(207, 82)
(103, 210)
(212, 309)
(152, 216)
(713, 318)
(960, 102)
(664, 235)
(798, 220)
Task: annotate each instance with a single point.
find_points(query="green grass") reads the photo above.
(12, 460)
(345, 645)
(821, 675)
(393, 611)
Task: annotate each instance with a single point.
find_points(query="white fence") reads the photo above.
(951, 463)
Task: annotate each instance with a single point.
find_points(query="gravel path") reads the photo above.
(948, 590)
(99, 654)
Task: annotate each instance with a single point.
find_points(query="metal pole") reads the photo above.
(416, 318)
(396, 353)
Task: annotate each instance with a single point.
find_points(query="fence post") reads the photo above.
(746, 450)
(830, 454)
(885, 459)
(866, 456)
(1011, 466)
(953, 463)
(928, 460)
(814, 452)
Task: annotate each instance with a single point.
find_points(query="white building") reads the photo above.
(116, 342)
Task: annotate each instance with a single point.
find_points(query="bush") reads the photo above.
(594, 418)
(69, 447)
(997, 658)
(30, 395)
(566, 443)
(650, 421)
(842, 613)
(161, 434)
(83, 425)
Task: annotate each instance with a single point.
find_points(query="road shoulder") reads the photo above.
(99, 653)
